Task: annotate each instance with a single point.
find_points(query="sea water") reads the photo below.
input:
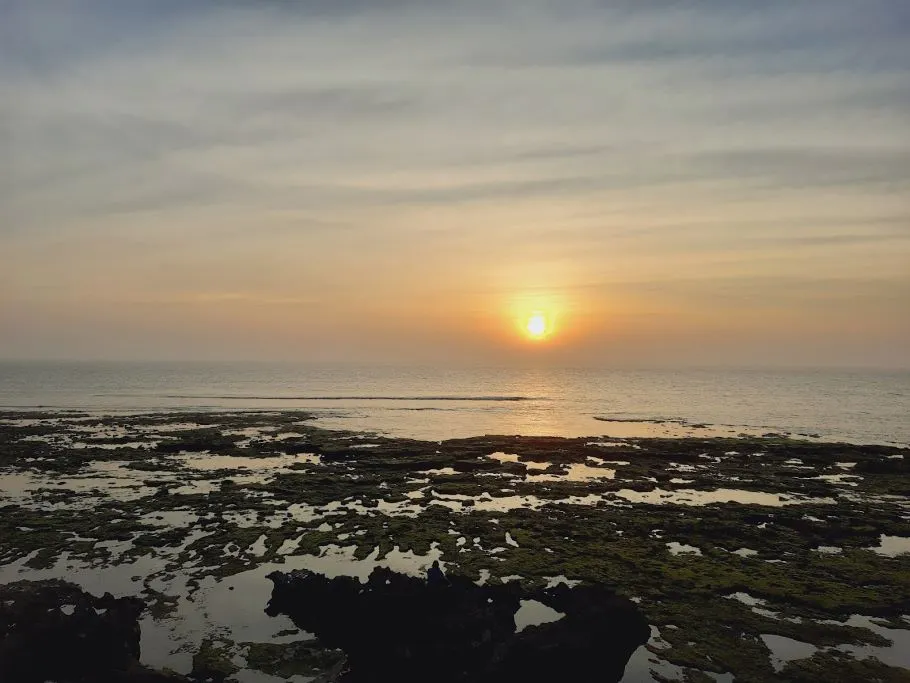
(860, 406)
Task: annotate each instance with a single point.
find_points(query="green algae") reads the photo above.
(621, 544)
(837, 667)
(213, 661)
(302, 658)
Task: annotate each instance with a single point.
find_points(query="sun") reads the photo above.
(535, 318)
(536, 326)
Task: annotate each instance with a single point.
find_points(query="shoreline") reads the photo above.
(621, 428)
(860, 408)
(201, 508)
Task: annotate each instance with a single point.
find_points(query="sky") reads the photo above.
(701, 182)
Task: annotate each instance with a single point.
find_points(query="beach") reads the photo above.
(751, 557)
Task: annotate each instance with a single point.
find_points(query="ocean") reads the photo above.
(858, 406)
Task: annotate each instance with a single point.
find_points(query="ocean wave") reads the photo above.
(649, 420)
(253, 397)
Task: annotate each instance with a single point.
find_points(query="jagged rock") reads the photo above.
(54, 631)
(396, 627)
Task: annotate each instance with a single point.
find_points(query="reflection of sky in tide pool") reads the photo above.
(575, 472)
(535, 613)
(572, 471)
(114, 479)
(694, 497)
(892, 546)
(267, 464)
(785, 650)
(676, 548)
(896, 654)
(232, 607)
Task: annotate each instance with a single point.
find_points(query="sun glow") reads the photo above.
(537, 326)
(535, 317)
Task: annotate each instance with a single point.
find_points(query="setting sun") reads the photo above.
(535, 315)
(537, 326)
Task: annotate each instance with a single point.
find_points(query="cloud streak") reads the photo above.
(285, 151)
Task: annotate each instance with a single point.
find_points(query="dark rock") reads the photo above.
(475, 465)
(198, 440)
(889, 466)
(396, 627)
(54, 631)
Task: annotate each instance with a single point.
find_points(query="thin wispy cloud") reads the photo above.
(356, 152)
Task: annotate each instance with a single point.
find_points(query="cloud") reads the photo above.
(259, 148)
(808, 167)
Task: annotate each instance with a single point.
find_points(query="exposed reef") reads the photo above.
(722, 543)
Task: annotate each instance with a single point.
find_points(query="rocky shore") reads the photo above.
(401, 628)
(756, 558)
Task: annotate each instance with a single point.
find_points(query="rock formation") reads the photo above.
(54, 631)
(396, 627)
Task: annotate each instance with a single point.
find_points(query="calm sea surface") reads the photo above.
(858, 406)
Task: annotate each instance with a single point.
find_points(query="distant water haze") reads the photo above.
(434, 403)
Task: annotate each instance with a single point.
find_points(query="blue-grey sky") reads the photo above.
(668, 182)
